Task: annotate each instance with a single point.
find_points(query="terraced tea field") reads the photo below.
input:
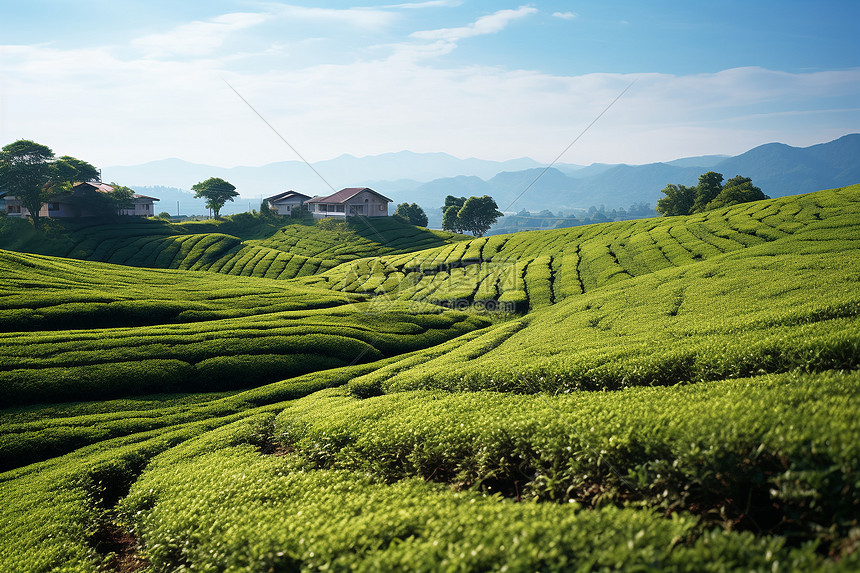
(666, 394)
(227, 247)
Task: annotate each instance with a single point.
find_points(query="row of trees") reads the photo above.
(709, 194)
(475, 214)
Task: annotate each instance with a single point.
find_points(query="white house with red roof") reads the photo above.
(350, 202)
(287, 203)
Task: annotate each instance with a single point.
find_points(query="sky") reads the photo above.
(241, 82)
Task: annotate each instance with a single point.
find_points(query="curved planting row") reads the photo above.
(538, 268)
(50, 293)
(49, 366)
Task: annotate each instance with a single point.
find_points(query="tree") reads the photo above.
(478, 214)
(450, 221)
(679, 200)
(412, 213)
(25, 171)
(216, 191)
(30, 172)
(121, 197)
(75, 170)
(737, 190)
(710, 185)
(451, 201)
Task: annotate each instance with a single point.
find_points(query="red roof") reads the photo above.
(344, 195)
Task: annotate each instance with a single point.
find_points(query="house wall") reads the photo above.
(368, 204)
(320, 210)
(285, 207)
(65, 210)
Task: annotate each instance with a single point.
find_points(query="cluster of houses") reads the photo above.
(349, 202)
(79, 203)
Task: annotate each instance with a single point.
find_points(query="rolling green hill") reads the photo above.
(242, 245)
(667, 394)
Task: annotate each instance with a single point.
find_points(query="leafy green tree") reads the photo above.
(121, 197)
(710, 185)
(478, 214)
(25, 171)
(70, 169)
(30, 172)
(216, 191)
(450, 221)
(451, 201)
(412, 213)
(737, 190)
(678, 200)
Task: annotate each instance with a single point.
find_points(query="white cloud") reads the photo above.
(111, 110)
(197, 38)
(365, 18)
(490, 24)
(428, 4)
(565, 15)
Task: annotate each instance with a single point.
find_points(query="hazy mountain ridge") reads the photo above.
(426, 178)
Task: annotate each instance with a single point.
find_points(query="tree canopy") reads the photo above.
(709, 194)
(216, 191)
(412, 213)
(475, 214)
(30, 172)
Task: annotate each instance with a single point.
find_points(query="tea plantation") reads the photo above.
(673, 394)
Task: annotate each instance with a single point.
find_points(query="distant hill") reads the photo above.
(778, 169)
(426, 178)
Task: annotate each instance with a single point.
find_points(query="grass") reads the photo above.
(667, 394)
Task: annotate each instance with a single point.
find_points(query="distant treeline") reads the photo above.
(526, 220)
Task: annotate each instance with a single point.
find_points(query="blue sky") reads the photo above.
(125, 82)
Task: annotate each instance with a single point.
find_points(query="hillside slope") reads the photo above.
(671, 394)
(242, 245)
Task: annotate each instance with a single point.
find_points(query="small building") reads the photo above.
(82, 202)
(350, 202)
(286, 203)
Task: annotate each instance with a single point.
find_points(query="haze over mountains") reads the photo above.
(426, 178)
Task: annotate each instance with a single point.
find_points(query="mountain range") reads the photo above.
(426, 178)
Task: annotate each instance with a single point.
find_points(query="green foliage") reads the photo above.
(412, 214)
(73, 170)
(737, 190)
(731, 450)
(730, 339)
(475, 214)
(26, 171)
(216, 191)
(678, 200)
(232, 509)
(709, 194)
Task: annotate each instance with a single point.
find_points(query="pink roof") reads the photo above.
(346, 194)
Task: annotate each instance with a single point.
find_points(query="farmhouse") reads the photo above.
(83, 201)
(286, 203)
(350, 202)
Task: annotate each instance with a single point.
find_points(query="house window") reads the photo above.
(14, 208)
(53, 206)
(339, 208)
